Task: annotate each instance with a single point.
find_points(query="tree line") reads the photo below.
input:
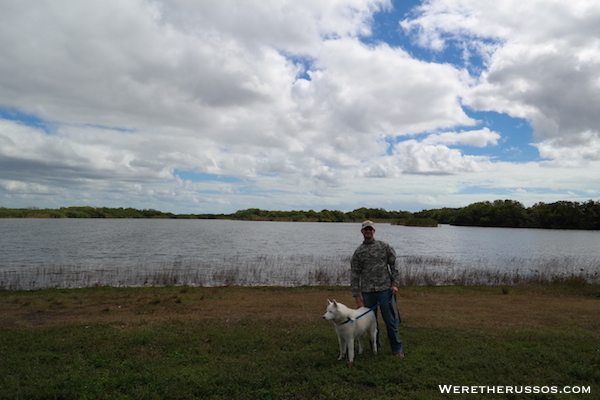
(83, 212)
(512, 214)
(251, 214)
(499, 213)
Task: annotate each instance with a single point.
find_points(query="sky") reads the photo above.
(215, 106)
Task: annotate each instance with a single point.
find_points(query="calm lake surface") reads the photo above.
(78, 252)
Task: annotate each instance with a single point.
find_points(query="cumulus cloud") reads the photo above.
(477, 138)
(423, 158)
(286, 97)
(542, 63)
(210, 72)
(585, 149)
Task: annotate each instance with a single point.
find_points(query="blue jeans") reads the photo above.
(371, 299)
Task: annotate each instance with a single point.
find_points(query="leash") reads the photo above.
(397, 311)
(389, 298)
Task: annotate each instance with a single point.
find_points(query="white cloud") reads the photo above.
(477, 138)
(385, 90)
(542, 59)
(423, 158)
(296, 27)
(575, 154)
(133, 90)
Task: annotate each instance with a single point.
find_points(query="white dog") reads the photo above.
(352, 324)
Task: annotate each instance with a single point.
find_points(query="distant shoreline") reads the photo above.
(497, 214)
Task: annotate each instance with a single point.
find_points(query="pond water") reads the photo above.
(78, 252)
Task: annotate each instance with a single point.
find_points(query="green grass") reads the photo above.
(258, 357)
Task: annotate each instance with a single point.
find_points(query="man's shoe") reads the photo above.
(399, 354)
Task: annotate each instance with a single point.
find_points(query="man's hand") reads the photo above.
(359, 302)
(394, 290)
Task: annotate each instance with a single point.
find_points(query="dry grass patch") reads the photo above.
(490, 309)
(481, 308)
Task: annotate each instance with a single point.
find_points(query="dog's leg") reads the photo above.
(350, 346)
(360, 345)
(373, 338)
(343, 345)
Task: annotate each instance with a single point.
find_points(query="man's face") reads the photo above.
(368, 233)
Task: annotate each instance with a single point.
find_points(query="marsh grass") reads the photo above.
(286, 271)
(292, 271)
(270, 343)
(440, 271)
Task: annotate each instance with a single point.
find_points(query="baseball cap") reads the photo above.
(367, 223)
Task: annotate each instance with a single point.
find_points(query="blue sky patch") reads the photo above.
(516, 139)
(25, 119)
(111, 128)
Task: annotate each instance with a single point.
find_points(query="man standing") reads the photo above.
(373, 279)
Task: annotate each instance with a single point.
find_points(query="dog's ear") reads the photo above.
(334, 302)
(328, 301)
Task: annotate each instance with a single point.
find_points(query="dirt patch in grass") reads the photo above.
(486, 308)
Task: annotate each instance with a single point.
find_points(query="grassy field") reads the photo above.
(271, 343)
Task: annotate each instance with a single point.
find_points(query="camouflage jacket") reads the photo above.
(373, 268)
